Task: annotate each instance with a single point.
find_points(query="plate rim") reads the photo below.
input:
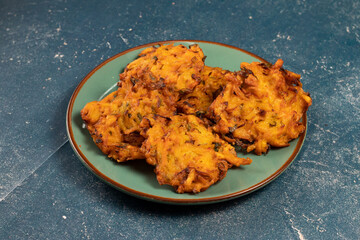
(161, 199)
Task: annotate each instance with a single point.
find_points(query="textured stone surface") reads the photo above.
(47, 47)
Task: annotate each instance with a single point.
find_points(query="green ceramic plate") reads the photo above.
(136, 177)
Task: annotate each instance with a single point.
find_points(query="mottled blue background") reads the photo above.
(47, 47)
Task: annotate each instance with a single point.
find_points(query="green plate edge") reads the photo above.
(137, 178)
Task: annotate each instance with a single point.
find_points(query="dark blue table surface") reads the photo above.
(47, 47)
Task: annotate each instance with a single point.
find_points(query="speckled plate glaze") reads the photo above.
(136, 177)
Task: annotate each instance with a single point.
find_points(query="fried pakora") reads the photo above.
(114, 122)
(187, 154)
(149, 85)
(182, 116)
(213, 80)
(175, 68)
(264, 109)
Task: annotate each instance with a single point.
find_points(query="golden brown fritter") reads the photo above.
(149, 85)
(142, 102)
(213, 80)
(114, 121)
(101, 120)
(187, 154)
(176, 68)
(153, 115)
(265, 109)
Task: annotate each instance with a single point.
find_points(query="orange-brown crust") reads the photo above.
(101, 121)
(213, 80)
(176, 68)
(265, 109)
(153, 113)
(187, 154)
(150, 85)
(114, 122)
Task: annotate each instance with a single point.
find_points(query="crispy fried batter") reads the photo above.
(260, 105)
(187, 154)
(176, 68)
(139, 103)
(213, 80)
(102, 122)
(114, 122)
(149, 85)
(263, 110)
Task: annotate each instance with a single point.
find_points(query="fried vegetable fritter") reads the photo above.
(213, 80)
(265, 109)
(139, 103)
(183, 116)
(114, 122)
(176, 68)
(187, 154)
(149, 85)
(105, 130)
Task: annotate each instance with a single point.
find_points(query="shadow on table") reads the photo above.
(181, 210)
